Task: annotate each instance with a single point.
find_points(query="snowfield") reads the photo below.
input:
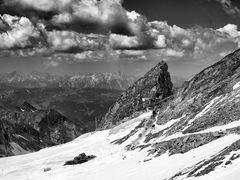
(113, 162)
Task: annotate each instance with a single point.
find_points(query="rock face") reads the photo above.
(28, 129)
(156, 85)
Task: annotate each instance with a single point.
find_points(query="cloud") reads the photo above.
(51, 64)
(72, 41)
(229, 8)
(82, 16)
(124, 42)
(230, 29)
(173, 53)
(41, 5)
(63, 40)
(133, 52)
(103, 29)
(90, 55)
(17, 32)
(196, 41)
(133, 15)
(160, 42)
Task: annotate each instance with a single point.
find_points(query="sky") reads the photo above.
(185, 13)
(70, 36)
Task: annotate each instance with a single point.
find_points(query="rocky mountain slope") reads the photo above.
(27, 129)
(82, 106)
(155, 85)
(81, 80)
(194, 135)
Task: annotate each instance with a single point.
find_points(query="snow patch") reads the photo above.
(236, 86)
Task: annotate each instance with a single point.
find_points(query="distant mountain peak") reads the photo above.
(26, 107)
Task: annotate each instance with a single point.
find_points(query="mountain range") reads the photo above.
(80, 80)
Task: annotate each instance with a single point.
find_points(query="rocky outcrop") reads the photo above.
(80, 159)
(155, 86)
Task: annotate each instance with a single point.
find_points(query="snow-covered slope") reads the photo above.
(116, 161)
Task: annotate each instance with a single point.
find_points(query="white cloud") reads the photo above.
(20, 33)
(133, 52)
(161, 41)
(51, 64)
(133, 15)
(69, 40)
(173, 53)
(121, 41)
(196, 42)
(63, 40)
(230, 29)
(91, 55)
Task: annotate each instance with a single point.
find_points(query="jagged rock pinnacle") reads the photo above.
(154, 85)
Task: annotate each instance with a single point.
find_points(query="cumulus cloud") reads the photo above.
(230, 29)
(196, 41)
(16, 32)
(161, 41)
(85, 15)
(124, 42)
(73, 41)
